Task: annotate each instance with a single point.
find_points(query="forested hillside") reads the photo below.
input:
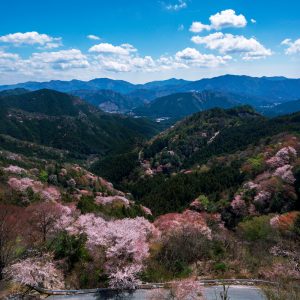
(65, 122)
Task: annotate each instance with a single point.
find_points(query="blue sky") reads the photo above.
(148, 40)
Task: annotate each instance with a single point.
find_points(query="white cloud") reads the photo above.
(227, 18)
(224, 19)
(198, 27)
(228, 43)
(177, 6)
(124, 49)
(293, 47)
(253, 21)
(93, 37)
(191, 56)
(61, 60)
(6, 55)
(31, 38)
(8, 61)
(126, 63)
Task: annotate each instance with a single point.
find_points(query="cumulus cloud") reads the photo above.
(31, 38)
(191, 56)
(198, 27)
(126, 64)
(8, 61)
(93, 37)
(253, 21)
(224, 19)
(62, 60)
(228, 44)
(227, 18)
(177, 6)
(124, 49)
(293, 46)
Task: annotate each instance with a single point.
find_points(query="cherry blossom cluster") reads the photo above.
(50, 194)
(173, 221)
(262, 197)
(125, 242)
(36, 271)
(264, 185)
(285, 173)
(187, 289)
(112, 200)
(125, 278)
(23, 184)
(15, 170)
(282, 157)
(238, 205)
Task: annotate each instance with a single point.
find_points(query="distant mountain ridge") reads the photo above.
(271, 88)
(122, 96)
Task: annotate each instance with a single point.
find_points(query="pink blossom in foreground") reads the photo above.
(36, 271)
(285, 173)
(125, 278)
(125, 243)
(187, 290)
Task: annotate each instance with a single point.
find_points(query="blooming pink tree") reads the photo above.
(125, 242)
(262, 197)
(238, 205)
(282, 157)
(285, 173)
(192, 219)
(15, 170)
(23, 184)
(36, 271)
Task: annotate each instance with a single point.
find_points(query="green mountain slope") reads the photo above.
(108, 100)
(65, 122)
(212, 153)
(183, 104)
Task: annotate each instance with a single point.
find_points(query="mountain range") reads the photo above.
(175, 98)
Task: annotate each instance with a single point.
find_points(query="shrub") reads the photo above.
(183, 247)
(297, 226)
(87, 204)
(220, 267)
(257, 228)
(70, 247)
(43, 176)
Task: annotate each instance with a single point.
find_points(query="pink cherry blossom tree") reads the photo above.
(36, 271)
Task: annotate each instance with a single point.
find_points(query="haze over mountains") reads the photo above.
(263, 93)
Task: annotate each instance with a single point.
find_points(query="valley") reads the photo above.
(102, 199)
